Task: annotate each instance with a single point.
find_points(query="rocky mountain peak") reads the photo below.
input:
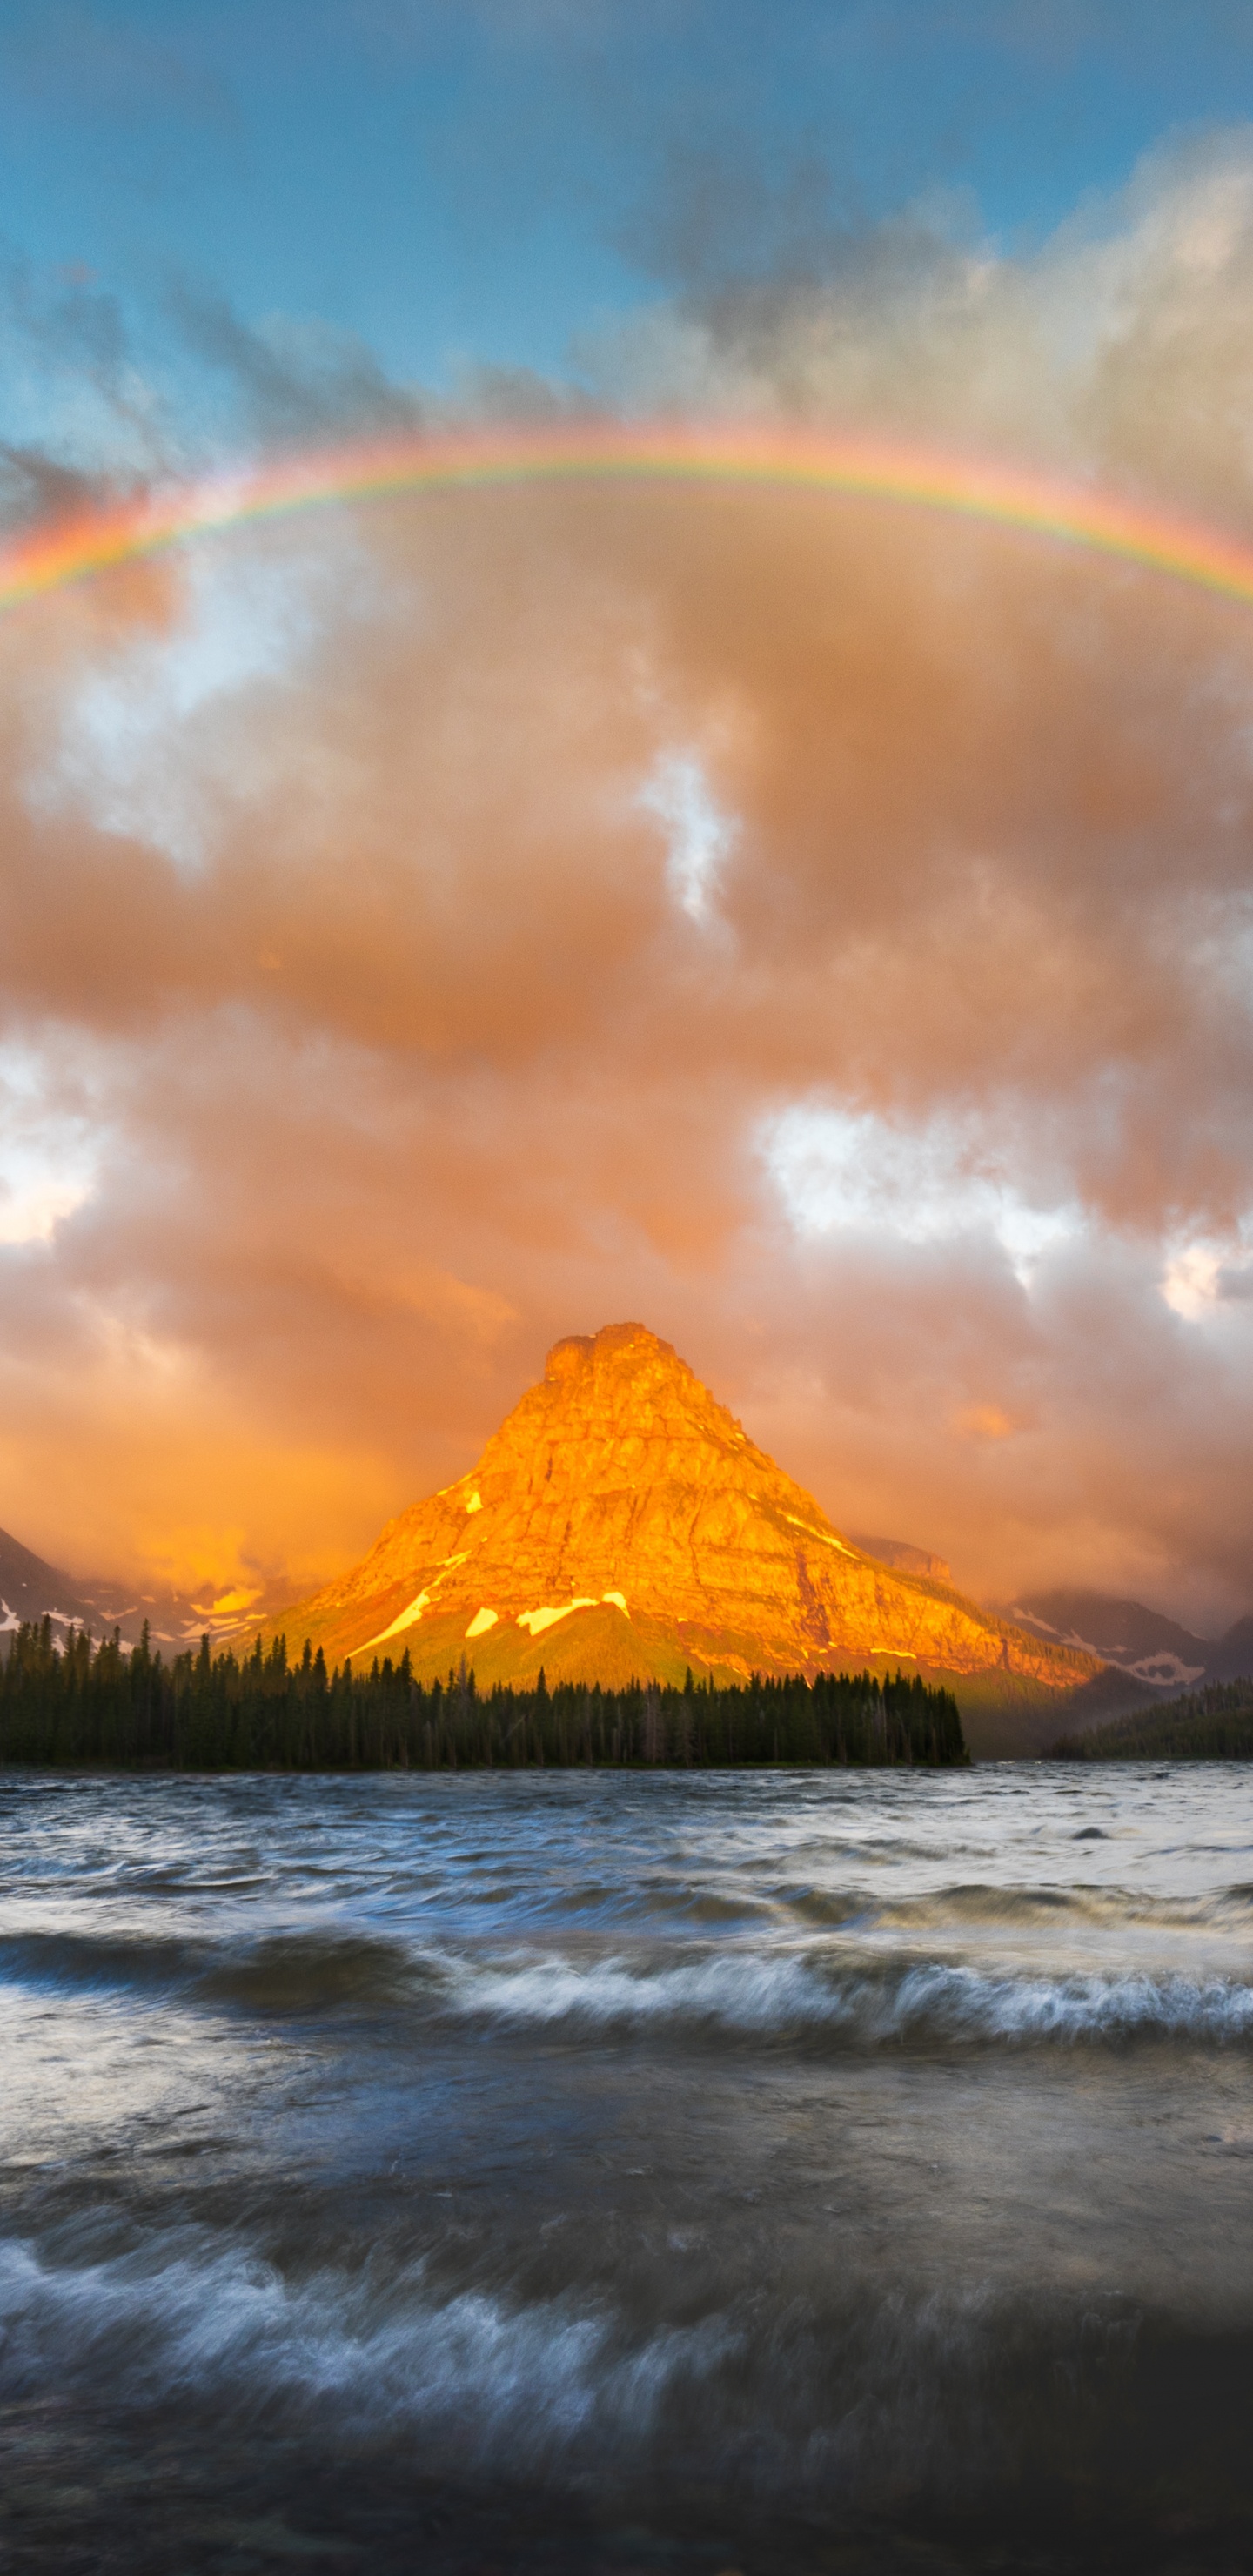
(630, 1348)
(621, 1522)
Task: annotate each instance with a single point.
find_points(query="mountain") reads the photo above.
(622, 1523)
(1232, 1655)
(1140, 1642)
(32, 1589)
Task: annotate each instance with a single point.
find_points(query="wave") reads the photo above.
(977, 1902)
(484, 2376)
(280, 1973)
(820, 1997)
(927, 2003)
(102, 1963)
(656, 1903)
(832, 2386)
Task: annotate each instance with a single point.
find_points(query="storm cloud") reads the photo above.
(816, 928)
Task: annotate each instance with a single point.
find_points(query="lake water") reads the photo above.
(602, 2172)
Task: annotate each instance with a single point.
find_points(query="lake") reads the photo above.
(603, 2171)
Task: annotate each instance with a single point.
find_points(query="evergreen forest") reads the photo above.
(1210, 1725)
(82, 1704)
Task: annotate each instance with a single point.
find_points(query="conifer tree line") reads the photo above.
(1210, 1725)
(81, 1703)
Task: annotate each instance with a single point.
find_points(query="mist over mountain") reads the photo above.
(30, 1589)
(1143, 1643)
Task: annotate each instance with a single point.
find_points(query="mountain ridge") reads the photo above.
(621, 1523)
(32, 1589)
(1143, 1643)
(622, 1520)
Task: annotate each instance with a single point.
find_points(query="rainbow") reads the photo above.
(73, 549)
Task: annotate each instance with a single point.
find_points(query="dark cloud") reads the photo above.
(35, 487)
(723, 216)
(293, 381)
(73, 370)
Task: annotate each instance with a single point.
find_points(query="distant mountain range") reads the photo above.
(621, 1523)
(1140, 1642)
(32, 1589)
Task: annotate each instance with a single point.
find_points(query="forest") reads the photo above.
(1211, 1725)
(80, 1703)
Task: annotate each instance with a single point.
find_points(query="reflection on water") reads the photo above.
(756, 2171)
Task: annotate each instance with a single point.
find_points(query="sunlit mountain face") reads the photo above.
(621, 1522)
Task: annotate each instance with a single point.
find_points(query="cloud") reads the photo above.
(1115, 350)
(77, 411)
(838, 1172)
(49, 1146)
(148, 745)
(295, 379)
(98, 394)
(35, 488)
(700, 838)
(730, 217)
(357, 875)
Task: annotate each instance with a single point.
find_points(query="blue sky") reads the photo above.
(466, 185)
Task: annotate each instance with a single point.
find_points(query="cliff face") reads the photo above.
(621, 1521)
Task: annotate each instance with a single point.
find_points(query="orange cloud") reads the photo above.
(985, 1422)
(361, 991)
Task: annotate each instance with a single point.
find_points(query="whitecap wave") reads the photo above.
(480, 2375)
(767, 1997)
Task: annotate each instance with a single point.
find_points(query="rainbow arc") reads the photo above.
(1071, 514)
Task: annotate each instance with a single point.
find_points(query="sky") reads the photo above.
(820, 930)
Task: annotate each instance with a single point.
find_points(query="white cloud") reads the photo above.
(701, 838)
(49, 1155)
(840, 1170)
(1190, 1280)
(854, 1173)
(1115, 348)
(1208, 1281)
(141, 739)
